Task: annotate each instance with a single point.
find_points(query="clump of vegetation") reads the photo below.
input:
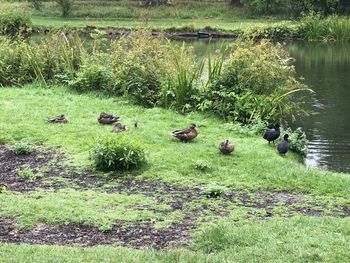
(65, 6)
(27, 173)
(24, 147)
(297, 141)
(202, 165)
(113, 153)
(256, 80)
(256, 126)
(214, 190)
(13, 23)
(94, 76)
(315, 27)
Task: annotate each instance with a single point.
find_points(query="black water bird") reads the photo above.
(272, 134)
(282, 146)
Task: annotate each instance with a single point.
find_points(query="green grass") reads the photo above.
(241, 236)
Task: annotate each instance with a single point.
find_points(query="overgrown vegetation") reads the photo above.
(14, 23)
(115, 153)
(23, 147)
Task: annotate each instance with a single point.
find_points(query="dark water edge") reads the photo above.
(326, 69)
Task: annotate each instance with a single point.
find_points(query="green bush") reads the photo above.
(202, 165)
(94, 76)
(13, 23)
(65, 6)
(256, 80)
(141, 64)
(24, 147)
(214, 190)
(113, 153)
(27, 173)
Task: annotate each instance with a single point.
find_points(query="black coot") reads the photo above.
(282, 147)
(272, 134)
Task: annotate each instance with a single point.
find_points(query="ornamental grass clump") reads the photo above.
(117, 153)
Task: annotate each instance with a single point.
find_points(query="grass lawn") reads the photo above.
(271, 208)
(129, 15)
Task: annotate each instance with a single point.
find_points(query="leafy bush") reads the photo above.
(65, 6)
(214, 190)
(140, 63)
(94, 76)
(257, 126)
(114, 153)
(27, 173)
(37, 4)
(256, 80)
(201, 165)
(298, 141)
(24, 147)
(13, 23)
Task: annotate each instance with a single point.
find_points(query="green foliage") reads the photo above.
(14, 23)
(140, 63)
(292, 7)
(256, 80)
(24, 147)
(27, 173)
(202, 165)
(37, 4)
(115, 153)
(256, 127)
(214, 190)
(315, 27)
(297, 140)
(94, 76)
(65, 6)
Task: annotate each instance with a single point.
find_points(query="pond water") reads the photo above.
(326, 69)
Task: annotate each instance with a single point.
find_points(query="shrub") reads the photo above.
(214, 190)
(94, 76)
(114, 153)
(256, 80)
(13, 23)
(256, 127)
(37, 4)
(201, 165)
(27, 173)
(141, 64)
(24, 147)
(65, 6)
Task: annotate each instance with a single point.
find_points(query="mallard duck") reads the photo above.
(58, 119)
(186, 134)
(282, 147)
(119, 128)
(226, 147)
(106, 118)
(272, 134)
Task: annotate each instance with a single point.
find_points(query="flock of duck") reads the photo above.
(186, 135)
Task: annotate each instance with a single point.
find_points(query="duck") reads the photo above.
(106, 118)
(272, 134)
(226, 147)
(282, 146)
(58, 119)
(119, 128)
(186, 135)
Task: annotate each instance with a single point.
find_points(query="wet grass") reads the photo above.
(274, 208)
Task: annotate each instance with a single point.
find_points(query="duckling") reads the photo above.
(272, 134)
(119, 128)
(226, 147)
(58, 119)
(186, 135)
(282, 147)
(106, 118)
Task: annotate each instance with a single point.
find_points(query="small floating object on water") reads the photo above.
(226, 147)
(272, 134)
(119, 128)
(186, 135)
(58, 119)
(106, 118)
(282, 146)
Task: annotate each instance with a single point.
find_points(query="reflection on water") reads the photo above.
(326, 69)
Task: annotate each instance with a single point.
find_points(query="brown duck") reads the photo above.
(58, 119)
(186, 135)
(106, 118)
(119, 128)
(226, 147)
